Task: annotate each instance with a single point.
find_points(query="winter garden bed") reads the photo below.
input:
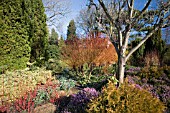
(43, 92)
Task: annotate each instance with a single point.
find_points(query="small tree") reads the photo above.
(61, 42)
(127, 19)
(83, 51)
(152, 58)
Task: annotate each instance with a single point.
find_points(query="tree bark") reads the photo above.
(121, 69)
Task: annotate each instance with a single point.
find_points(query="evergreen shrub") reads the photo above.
(125, 99)
(153, 72)
(14, 44)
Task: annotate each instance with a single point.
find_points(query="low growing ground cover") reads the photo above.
(42, 94)
(14, 84)
(25, 90)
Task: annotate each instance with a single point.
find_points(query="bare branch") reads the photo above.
(121, 7)
(129, 6)
(106, 11)
(137, 17)
(131, 9)
(55, 9)
(127, 33)
(142, 41)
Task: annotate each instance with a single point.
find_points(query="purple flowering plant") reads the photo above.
(158, 87)
(78, 102)
(133, 70)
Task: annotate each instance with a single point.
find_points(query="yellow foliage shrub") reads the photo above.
(125, 99)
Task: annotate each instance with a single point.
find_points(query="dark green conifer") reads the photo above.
(71, 31)
(137, 56)
(156, 43)
(54, 37)
(38, 30)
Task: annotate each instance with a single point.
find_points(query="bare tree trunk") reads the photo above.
(121, 69)
(131, 21)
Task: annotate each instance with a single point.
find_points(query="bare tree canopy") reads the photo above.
(55, 10)
(86, 20)
(125, 19)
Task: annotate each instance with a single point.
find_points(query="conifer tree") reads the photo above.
(61, 42)
(54, 37)
(157, 44)
(14, 44)
(52, 51)
(38, 30)
(71, 31)
(137, 56)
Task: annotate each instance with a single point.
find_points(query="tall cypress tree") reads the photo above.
(71, 30)
(38, 30)
(14, 44)
(156, 43)
(52, 51)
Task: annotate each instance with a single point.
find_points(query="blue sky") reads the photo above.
(76, 5)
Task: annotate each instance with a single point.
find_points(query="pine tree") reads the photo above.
(38, 30)
(52, 51)
(54, 37)
(14, 44)
(71, 30)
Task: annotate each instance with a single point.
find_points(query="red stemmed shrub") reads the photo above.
(4, 108)
(27, 102)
